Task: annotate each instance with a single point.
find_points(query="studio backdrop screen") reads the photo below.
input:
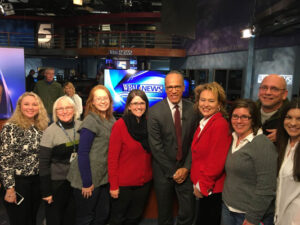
(12, 79)
(121, 82)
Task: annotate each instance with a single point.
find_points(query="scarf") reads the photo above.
(66, 125)
(138, 130)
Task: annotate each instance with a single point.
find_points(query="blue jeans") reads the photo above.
(95, 209)
(232, 218)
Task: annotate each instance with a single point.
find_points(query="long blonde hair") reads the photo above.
(41, 120)
(70, 85)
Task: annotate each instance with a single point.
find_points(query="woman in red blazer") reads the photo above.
(129, 162)
(210, 146)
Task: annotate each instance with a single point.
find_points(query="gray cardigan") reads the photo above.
(250, 184)
(98, 153)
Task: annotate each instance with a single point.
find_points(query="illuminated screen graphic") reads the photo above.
(121, 82)
(12, 79)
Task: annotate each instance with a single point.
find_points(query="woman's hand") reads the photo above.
(48, 199)
(197, 193)
(87, 192)
(114, 193)
(10, 195)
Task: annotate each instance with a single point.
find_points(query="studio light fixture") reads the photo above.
(2, 12)
(77, 2)
(6, 9)
(248, 32)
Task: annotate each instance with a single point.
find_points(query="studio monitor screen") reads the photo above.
(121, 82)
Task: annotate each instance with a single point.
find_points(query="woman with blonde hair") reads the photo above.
(88, 174)
(69, 90)
(19, 164)
(210, 146)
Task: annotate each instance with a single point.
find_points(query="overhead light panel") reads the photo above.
(248, 32)
(105, 27)
(77, 2)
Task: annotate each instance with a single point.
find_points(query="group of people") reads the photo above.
(236, 168)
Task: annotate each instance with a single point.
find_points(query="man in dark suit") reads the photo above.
(170, 142)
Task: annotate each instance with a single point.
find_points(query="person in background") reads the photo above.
(58, 148)
(171, 125)
(129, 162)
(20, 141)
(41, 74)
(288, 185)
(210, 146)
(30, 81)
(251, 168)
(48, 90)
(69, 90)
(100, 77)
(272, 96)
(88, 173)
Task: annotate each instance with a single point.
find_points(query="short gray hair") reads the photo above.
(69, 100)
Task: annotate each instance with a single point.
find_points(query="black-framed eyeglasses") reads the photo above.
(272, 89)
(171, 88)
(242, 117)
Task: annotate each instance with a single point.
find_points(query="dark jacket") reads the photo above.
(273, 121)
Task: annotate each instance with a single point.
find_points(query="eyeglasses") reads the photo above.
(171, 88)
(135, 104)
(242, 117)
(62, 109)
(101, 99)
(272, 89)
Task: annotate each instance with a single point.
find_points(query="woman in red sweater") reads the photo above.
(129, 162)
(210, 146)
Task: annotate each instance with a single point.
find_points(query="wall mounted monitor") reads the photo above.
(109, 63)
(121, 82)
(121, 64)
(12, 79)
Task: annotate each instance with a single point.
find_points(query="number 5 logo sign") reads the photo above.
(45, 35)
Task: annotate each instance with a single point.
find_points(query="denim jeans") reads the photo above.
(232, 218)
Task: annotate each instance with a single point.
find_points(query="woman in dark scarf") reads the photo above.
(129, 162)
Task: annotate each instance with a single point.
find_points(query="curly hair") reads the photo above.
(89, 107)
(217, 91)
(41, 120)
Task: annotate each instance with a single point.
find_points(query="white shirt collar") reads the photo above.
(244, 141)
(171, 105)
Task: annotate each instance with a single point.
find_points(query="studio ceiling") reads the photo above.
(270, 17)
